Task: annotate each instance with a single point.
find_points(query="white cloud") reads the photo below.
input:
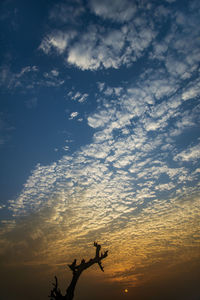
(27, 69)
(83, 57)
(159, 50)
(101, 86)
(114, 39)
(117, 181)
(97, 150)
(87, 55)
(165, 186)
(123, 161)
(83, 98)
(123, 186)
(101, 119)
(192, 91)
(66, 148)
(28, 78)
(117, 10)
(100, 47)
(192, 153)
(66, 13)
(179, 48)
(160, 86)
(54, 73)
(10, 79)
(57, 40)
(77, 96)
(177, 68)
(152, 125)
(197, 171)
(105, 47)
(103, 135)
(51, 79)
(186, 121)
(73, 115)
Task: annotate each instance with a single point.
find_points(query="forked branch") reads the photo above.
(77, 270)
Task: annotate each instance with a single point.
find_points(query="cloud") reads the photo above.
(97, 46)
(10, 79)
(192, 91)
(50, 79)
(185, 122)
(95, 49)
(137, 239)
(57, 40)
(122, 188)
(101, 86)
(28, 78)
(27, 70)
(178, 49)
(77, 96)
(146, 114)
(66, 13)
(54, 73)
(191, 154)
(101, 119)
(131, 186)
(118, 11)
(177, 68)
(73, 115)
(165, 186)
(152, 126)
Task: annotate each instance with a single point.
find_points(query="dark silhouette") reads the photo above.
(77, 270)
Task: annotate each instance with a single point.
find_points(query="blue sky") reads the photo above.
(99, 130)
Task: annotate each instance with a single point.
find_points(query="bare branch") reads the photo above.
(73, 265)
(55, 292)
(101, 267)
(98, 249)
(77, 270)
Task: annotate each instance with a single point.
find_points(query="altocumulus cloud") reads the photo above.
(122, 179)
(133, 186)
(99, 46)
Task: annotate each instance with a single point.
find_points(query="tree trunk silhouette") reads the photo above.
(76, 271)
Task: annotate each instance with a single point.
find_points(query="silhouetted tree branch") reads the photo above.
(76, 271)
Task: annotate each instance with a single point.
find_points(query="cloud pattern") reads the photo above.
(133, 186)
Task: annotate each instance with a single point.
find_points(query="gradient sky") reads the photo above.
(100, 140)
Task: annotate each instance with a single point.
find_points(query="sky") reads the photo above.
(100, 141)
